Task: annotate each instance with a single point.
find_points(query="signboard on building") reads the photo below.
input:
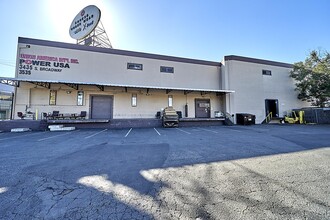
(31, 62)
(85, 22)
(55, 61)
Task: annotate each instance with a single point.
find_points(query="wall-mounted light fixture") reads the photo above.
(25, 47)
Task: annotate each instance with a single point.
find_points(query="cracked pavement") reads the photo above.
(218, 172)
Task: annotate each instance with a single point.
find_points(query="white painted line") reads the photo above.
(128, 132)
(43, 139)
(235, 130)
(157, 132)
(209, 130)
(18, 136)
(183, 131)
(195, 129)
(96, 133)
(302, 132)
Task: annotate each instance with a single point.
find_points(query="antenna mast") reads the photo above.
(97, 38)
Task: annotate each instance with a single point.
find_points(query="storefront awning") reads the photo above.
(75, 85)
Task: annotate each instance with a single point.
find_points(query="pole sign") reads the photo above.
(85, 22)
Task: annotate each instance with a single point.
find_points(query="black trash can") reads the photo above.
(245, 119)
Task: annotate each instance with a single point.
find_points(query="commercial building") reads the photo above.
(118, 84)
(6, 101)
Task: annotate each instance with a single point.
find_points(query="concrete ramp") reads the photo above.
(20, 129)
(60, 128)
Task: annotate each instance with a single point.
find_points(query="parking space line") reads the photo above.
(20, 136)
(183, 131)
(195, 129)
(96, 133)
(43, 139)
(203, 129)
(157, 132)
(234, 130)
(128, 132)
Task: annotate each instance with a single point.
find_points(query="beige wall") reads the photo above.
(82, 66)
(252, 88)
(155, 100)
(105, 68)
(36, 99)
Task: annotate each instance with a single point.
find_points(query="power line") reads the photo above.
(6, 64)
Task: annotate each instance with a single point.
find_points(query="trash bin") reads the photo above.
(179, 113)
(245, 119)
(218, 114)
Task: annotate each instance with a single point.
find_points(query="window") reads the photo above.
(204, 105)
(80, 98)
(170, 101)
(166, 69)
(134, 100)
(134, 66)
(266, 72)
(52, 97)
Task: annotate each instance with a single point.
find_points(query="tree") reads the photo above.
(313, 78)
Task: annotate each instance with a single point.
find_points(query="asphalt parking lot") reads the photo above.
(219, 172)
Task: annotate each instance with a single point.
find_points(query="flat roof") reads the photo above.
(14, 81)
(114, 51)
(148, 55)
(259, 61)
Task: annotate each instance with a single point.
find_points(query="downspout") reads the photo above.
(12, 105)
(13, 110)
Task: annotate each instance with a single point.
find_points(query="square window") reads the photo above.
(266, 72)
(80, 98)
(134, 100)
(166, 69)
(170, 101)
(52, 97)
(134, 66)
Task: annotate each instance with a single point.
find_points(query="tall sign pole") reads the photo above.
(87, 28)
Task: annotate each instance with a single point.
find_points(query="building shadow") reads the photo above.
(123, 181)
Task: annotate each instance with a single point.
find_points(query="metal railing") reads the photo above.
(268, 118)
(230, 118)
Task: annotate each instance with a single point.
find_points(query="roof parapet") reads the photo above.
(259, 61)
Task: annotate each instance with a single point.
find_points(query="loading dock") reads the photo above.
(202, 108)
(101, 107)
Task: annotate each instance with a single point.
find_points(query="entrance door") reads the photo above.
(101, 107)
(202, 108)
(2, 115)
(271, 105)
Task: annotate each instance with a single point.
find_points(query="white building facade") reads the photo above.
(261, 87)
(117, 84)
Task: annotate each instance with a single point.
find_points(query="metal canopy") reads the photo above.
(204, 92)
(10, 82)
(100, 87)
(72, 85)
(186, 92)
(42, 84)
(75, 85)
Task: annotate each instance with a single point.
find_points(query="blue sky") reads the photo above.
(278, 30)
